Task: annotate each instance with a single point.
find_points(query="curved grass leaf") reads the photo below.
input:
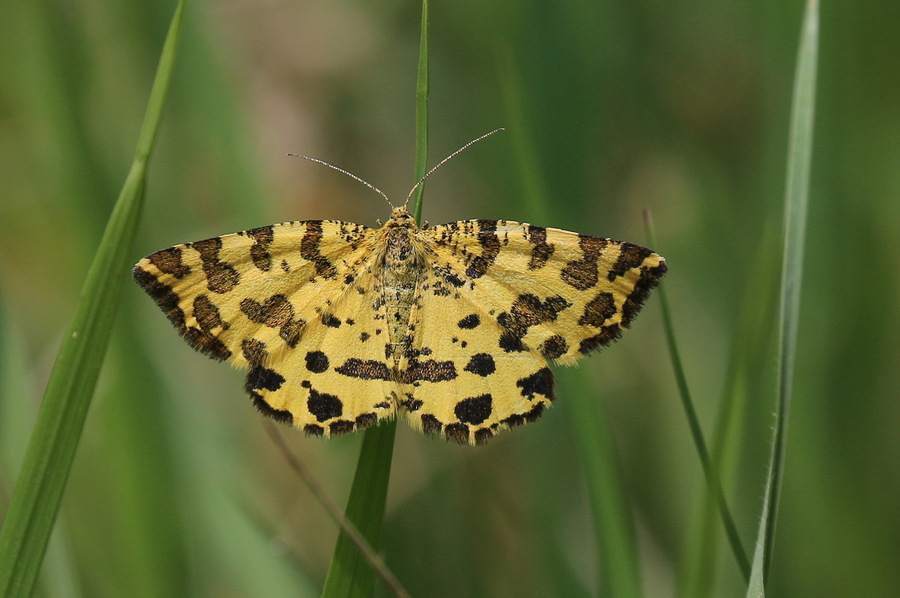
(51, 449)
(715, 493)
(795, 211)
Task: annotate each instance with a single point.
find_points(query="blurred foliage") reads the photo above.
(680, 107)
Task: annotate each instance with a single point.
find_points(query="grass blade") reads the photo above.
(613, 525)
(372, 558)
(749, 355)
(795, 211)
(349, 574)
(421, 115)
(710, 470)
(51, 449)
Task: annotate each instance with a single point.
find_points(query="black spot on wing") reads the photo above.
(276, 312)
(457, 432)
(368, 369)
(330, 320)
(538, 383)
(481, 364)
(429, 371)
(540, 250)
(474, 410)
(554, 347)
(168, 261)
(490, 248)
(366, 420)
(517, 419)
(259, 251)
(316, 362)
(582, 274)
(483, 435)
(341, 426)
(526, 311)
(598, 310)
(221, 277)
(430, 424)
(323, 405)
(314, 430)
(207, 314)
(450, 277)
(630, 256)
(309, 250)
(261, 378)
(411, 403)
(469, 322)
(254, 351)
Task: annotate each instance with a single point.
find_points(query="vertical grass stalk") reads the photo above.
(421, 116)
(349, 574)
(795, 213)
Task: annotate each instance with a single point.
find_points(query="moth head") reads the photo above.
(400, 217)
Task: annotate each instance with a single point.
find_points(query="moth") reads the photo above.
(452, 326)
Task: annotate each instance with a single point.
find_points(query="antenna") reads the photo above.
(418, 183)
(442, 162)
(353, 176)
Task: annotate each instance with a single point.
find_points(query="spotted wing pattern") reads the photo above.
(499, 299)
(342, 326)
(294, 303)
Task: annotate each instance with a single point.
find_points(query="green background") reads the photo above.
(610, 108)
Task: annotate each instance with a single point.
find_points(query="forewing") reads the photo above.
(273, 299)
(560, 293)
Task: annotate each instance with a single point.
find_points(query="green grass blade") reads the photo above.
(349, 574)
(795, 212)
(749, 354)
(48, 459)
(17, 416)
(421, 115)
(710, 470)
(528, 164)
(614, 528)
(372, 558)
